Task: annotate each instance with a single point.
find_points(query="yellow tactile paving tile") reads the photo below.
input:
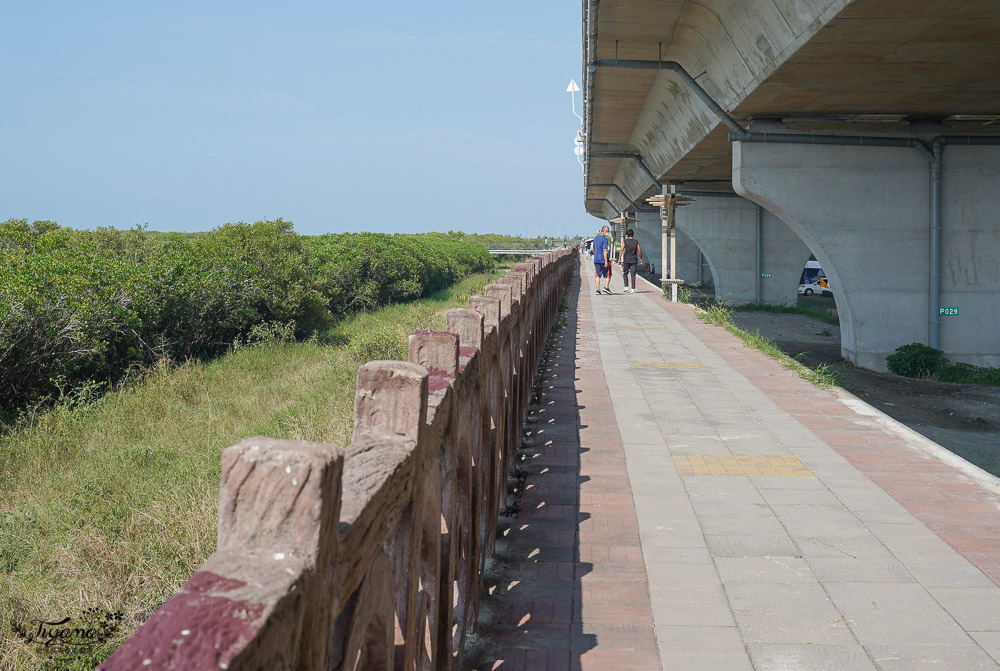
(669, 365)
(742, 465)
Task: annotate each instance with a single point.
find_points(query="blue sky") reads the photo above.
(393, 116)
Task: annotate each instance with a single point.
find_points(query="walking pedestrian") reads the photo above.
(611, 241)
(602, 259)
(630, 258)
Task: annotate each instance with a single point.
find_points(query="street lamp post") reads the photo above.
(622, 221)
(668, 201)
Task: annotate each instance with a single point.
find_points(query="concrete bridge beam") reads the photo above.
(863, 211)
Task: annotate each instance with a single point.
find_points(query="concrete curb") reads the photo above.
(982, 478)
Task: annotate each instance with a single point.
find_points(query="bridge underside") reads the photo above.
(875, 66)
(863, 68)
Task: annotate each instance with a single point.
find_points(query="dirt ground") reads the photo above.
(962, 418)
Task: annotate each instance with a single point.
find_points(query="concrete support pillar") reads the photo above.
(863, 211)
(725, 229)
(647, 232)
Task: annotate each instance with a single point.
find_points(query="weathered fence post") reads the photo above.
(383, 520)
(469, 416)
(265, 598)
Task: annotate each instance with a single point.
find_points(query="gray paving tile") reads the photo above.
(810, 496)
(800, 627)
(843, 547)
(698, 614)
(711, 442)
(757, 446)
(898, 614)
(692, 555)
(722, 488)
(763, 483)
(951, 576)
(670, 539)
(698, 449)
(762, 526)
(774, 596)
(663, 571)
(718, 640)
(834, 471)
(741, 497)
(900, 657)
(886, 516)
(861, 492)
(678, 592)
(731, 509)
(683, 525)
(975, 608)
(764, 569)
(722, 545)
(859, 569)
(924, 551)
(866, 498)
(988, 641)
(820, 522)
(654, 489)
(654, 505)
(704, 661)
(907, 533)
(828, 657)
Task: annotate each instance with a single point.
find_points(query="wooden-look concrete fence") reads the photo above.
(370, 557)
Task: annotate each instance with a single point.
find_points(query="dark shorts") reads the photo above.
(600, 269)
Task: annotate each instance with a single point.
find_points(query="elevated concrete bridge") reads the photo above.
(863, 132)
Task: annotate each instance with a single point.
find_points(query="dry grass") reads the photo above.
(111, 504)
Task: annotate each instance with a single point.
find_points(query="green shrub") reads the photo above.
(85, 307)
(916, 360)
(966, 373)
(364, 271)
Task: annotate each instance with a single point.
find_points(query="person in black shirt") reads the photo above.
(630, 257)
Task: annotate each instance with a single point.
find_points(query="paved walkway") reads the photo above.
(715, 511)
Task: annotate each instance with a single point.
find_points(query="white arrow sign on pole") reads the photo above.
(572, 90)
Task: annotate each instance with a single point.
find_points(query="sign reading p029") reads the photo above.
(948, 312)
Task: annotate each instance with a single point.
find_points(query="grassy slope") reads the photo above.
(813, 311)
(823, 375)
(113, 504)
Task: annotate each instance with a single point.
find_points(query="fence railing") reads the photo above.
(370, 557)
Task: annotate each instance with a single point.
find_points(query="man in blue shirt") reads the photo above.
(602, 258)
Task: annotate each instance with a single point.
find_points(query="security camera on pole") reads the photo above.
(668, 201)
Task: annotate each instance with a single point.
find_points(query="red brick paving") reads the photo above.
(573, 594)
